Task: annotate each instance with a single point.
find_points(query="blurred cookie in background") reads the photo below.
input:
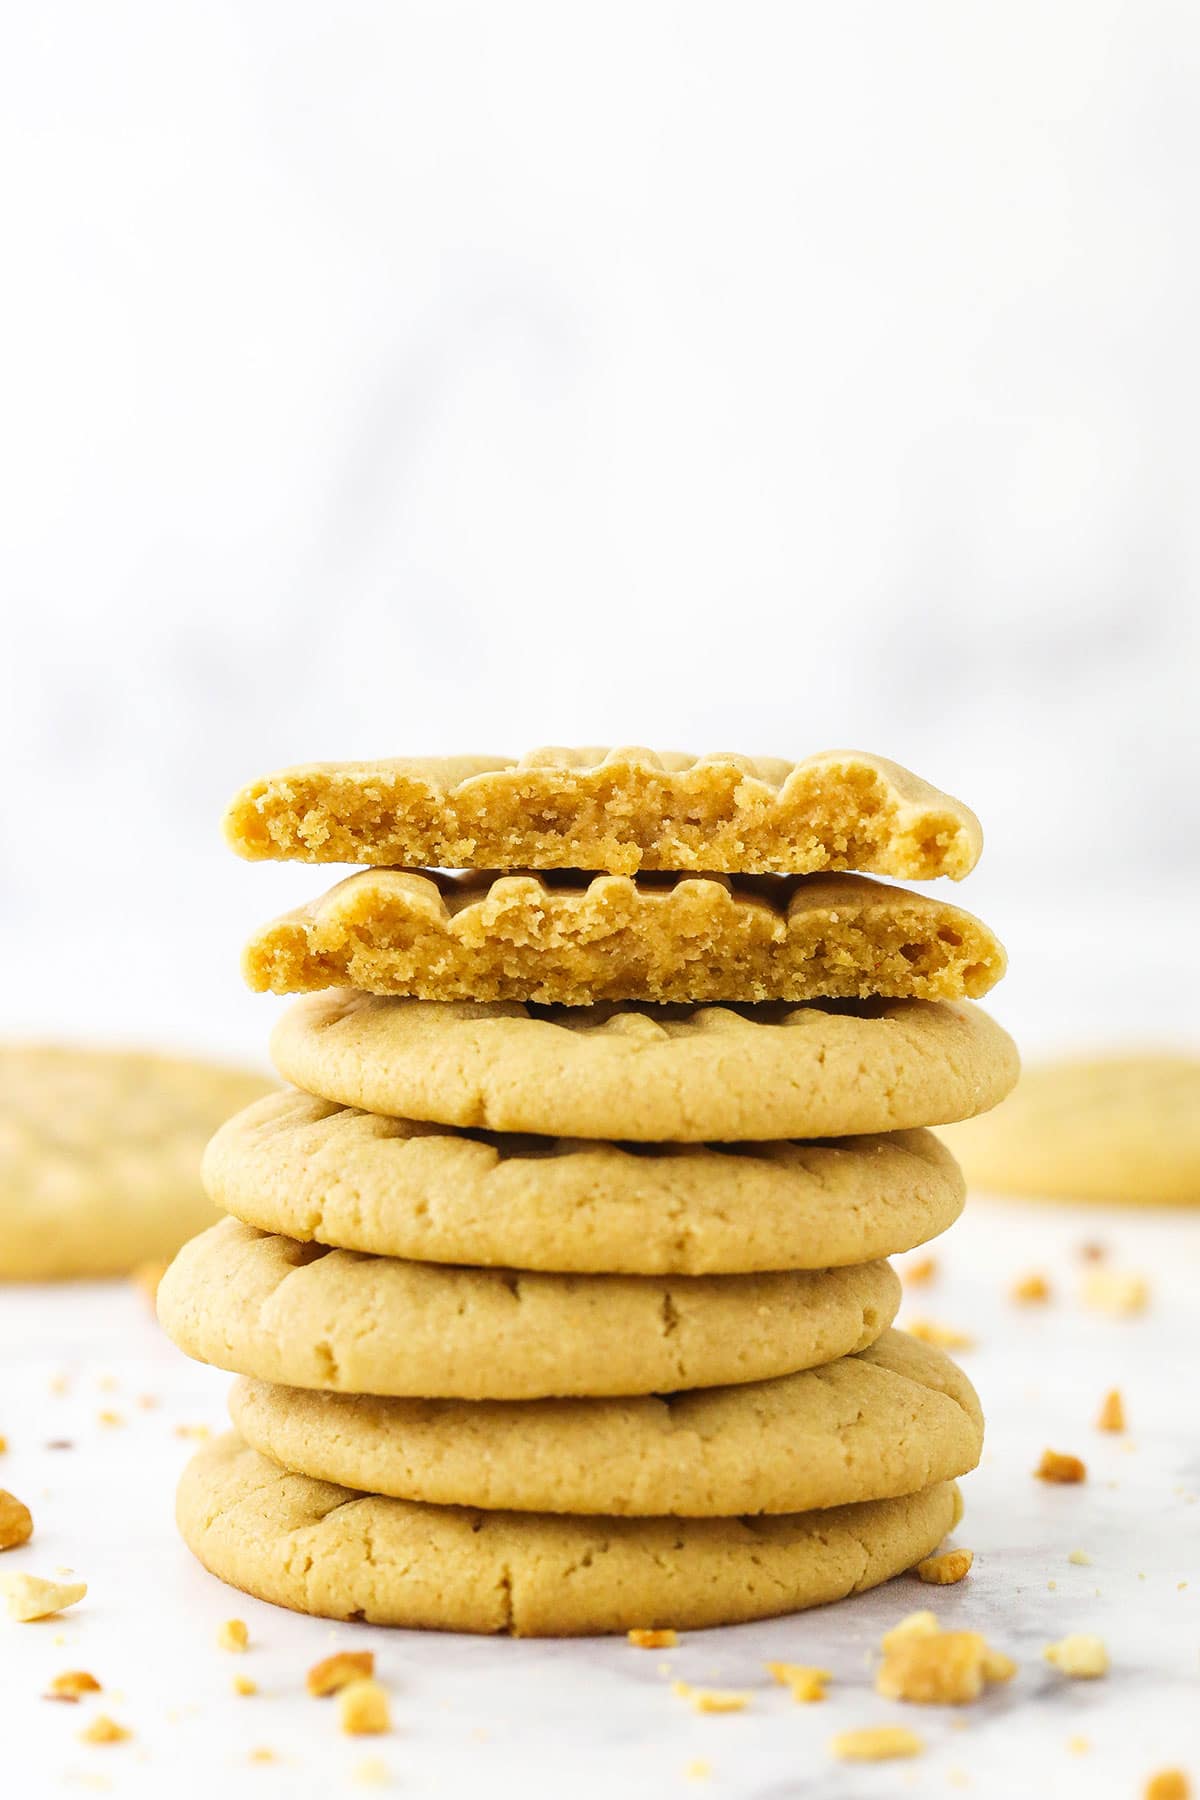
(1123, 1127)
(100, 1155)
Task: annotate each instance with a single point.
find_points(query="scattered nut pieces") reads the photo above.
(3, 1443)
(710, 1700)
(16, 1521)
(103, 1730)
(1079, 1656)
(232, 1635)
(916, 1624)
(1116, 1292)
(200, 1432)
(1080, 1558)
(698, 1769)
(1168, 1784)
(242, 1684)
(71, 1684)
(1055, 1466)
(945, 1569)
(109, 1417)
(263, 1755)
(1111, 1416)
(804, 1683)
(363, 1709)
(875, 1743)
(919, 1274)
(339, 1670)
(941, 1668)
(30, 1597)
(644, 1638)
(943, 1337)
(1030, 1290)
(1079, 1746)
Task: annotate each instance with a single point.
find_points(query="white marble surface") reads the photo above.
(533, 1719)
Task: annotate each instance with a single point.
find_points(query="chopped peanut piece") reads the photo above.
(1030, 1290)
(919, 1274)
(1116, 1292)
(947, 1568)
(1112, 1412)
(1079, 1656)
(1080, 1558)
(1055, 1466)
(16, 1521)
(242, 1684)
(710, 1700)
(946, 1668)
(339, 1670)
(1168, 1784)
(3, 1443)
(263, 1755)
(698, 1769)
(943, 1337)
(30, 1597)
(372, 1771)
(232, 1635)
(806, 1684)
(363, 1709)
(917, 1624)
(71, 1684)
(104, 1730)
(643, 1638)
(109, 1417)
(875, 1743)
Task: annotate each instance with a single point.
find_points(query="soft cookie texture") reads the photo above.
(643, 1073)
(100, 1155)
(576, 939)
(309, 1168)
(304, 1316)
(897, 1417)
(613, 810)
(1117, 1128)
(324, 1549)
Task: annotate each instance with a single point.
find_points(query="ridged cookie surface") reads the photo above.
(309, 1168)
(303, 1316)
(626, 1071)
(575, 939)
(895, 1418)
(323, 1549)
(615, 810)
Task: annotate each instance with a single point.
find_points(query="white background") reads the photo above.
(382, 378)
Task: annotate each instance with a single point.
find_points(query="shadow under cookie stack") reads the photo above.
(557, 1283)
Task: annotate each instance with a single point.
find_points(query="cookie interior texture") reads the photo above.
(575, 939)
(614, 810)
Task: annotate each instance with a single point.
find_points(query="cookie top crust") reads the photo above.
(572, 939)
(100, 1155)
(308, 1168)
(890, 1420)
(627, 1071)
(304, 1316)
(320, 1548)
(613, 810)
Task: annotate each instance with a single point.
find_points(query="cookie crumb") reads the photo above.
(921, 1273)
(262, 1755)
(804, 1683)
(103, 1730)
(242, 1684)
(710, 1700)
(58, 1384)
(147, 1402)
(109, 1417)
(940, 1668)
(1111, 1416)
(944, 1569)
(31, 1597)
(16, 1521)
(1079, 1656)
(363, 1709)
(1168, 1784)
(943, 1337)
(698, 1769)
(644, 1638)
(1080, 1558)
(71, 1684)
(1079, 1746)
(1056, 1466)
(200, 1432)
(1093, 1252)
(1030, 1290)
(3, 1443)
(339, 1670)
(232, 1635)
(875, 1743)
(915, 1624)
(1115, 1291)
(372, 1771)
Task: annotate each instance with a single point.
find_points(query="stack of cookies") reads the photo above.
(557, 1283)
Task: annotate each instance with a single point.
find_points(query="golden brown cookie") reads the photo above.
(311, 1169)
(1115, 1128)
(323, 1549)
(615, 810)
(307, 1317)
(897, 1417)
(646, 1074)
(100, 1155)
(575, 939)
